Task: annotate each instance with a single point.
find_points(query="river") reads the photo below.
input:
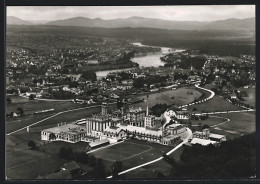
(150, 60)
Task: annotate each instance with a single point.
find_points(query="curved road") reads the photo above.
(225, 112)
(212, 94)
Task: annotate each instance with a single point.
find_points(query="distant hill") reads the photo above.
(16, 21)
(232, 24)
(140, 22)
(134, 22)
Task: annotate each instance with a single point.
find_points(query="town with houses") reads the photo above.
(101, 107)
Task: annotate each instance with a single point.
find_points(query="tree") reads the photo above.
(194, 109)
(35, 81)
(89, 75)
(119, 104)
(8, 100)
(205, 126)
(116, 168)
(20, 111)
(66, 153)
(73, 84)
(92, 160)
(139, 82)
(52, 136)
(159, 109)
(99, 170)
(82, 158)
(32, 96)
(31, 145)
(160, 175)
(62, 152)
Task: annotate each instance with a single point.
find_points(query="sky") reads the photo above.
(179, 13)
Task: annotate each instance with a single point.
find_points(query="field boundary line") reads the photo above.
(160, 158)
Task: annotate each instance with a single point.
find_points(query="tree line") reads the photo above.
(232, 159)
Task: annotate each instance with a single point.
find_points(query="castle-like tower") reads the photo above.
(99, 122)
(149, 120)
(104, 108)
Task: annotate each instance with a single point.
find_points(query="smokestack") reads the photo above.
(122, 111)
(147, 110)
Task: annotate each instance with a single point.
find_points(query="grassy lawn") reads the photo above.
(122, 151)
(21, 156)
(54, 147)
(138, 154)
(180, 97)
(150, 171)
(31, 106)
(15, 124)
(23, 163)
(243, 122)
(215, 104)
(32, 170)
(211, 121)
(21, 139)
(239, 124)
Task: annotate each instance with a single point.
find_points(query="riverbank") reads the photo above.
(98, 68)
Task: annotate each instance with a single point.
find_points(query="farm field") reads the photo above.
(129, 150)
(215, 104)
(31, 106)
(243, 122)
(22, 163)
(54, 147)
(151, 171)
(133, 153)
(211, 121)
(32, 169)
(240, 123)
(180, 95)
(65, 117)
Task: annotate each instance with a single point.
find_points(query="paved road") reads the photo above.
(225, 112)
(160, 158)
(50, 100)
(212, 94)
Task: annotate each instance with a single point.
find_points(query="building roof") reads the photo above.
(233, 94)
(98, 142)
(216, 136)
(140, 130)
(203, 142)
(68, 128)
(169, 138)
(113, 129)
